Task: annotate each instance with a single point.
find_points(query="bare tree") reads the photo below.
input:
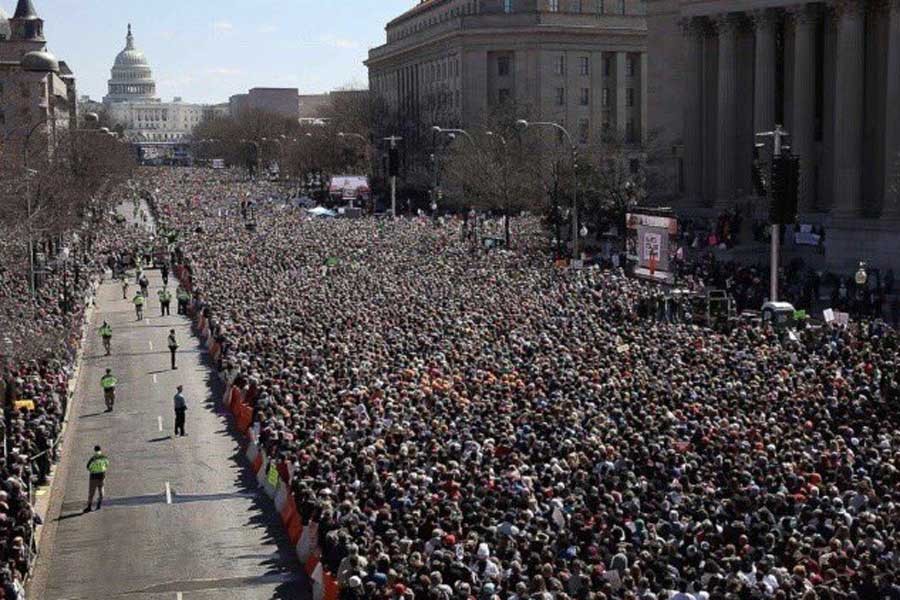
(495, 168)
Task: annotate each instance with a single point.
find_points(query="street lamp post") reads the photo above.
(502, 140)
(778, 144)
(525, 124)
(452, 132)
(393, 141)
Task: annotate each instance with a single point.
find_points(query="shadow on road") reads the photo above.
(91, 415)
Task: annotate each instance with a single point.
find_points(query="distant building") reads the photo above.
(36, 90)
(313, 106)
(284, 102)
(133, 104)
(582, 64)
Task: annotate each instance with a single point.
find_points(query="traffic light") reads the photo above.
(760, 181)
(393, 162)
(785, 186)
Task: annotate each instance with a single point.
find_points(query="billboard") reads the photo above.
(652, 245)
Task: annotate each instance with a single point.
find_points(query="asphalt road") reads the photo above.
(182, 518)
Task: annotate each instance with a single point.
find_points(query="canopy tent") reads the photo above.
(321, 211)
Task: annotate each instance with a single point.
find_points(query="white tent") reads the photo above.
(321, 211)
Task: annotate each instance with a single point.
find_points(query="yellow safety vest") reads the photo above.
(108, 382)
(98, 464)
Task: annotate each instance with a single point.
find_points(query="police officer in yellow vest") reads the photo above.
(96, 466)
(108, 383)
(139, 306)
(106, 335)
(165, 297)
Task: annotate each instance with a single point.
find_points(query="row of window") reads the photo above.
(584, 130)
(129, 75)
(504, 65)
(584, 65)
(584, 98)
(131, 89)
(430, 73)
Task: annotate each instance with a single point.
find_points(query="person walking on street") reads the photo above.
(145, 285)
(108, 383)
(96, 466)
(106, 335)
(165, 298)
(173, 347)
(180, 409)
(124, 288)
(139, 305)
(165, 273)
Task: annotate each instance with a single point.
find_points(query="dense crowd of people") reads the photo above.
(465, 424)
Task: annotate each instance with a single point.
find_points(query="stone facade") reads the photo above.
(577, 62)
(36, 90)
(828, 72)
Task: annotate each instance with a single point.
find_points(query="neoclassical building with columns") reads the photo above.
(829, 72)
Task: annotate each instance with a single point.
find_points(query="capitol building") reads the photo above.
(132, 102)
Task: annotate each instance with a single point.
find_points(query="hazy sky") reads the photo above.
(207, 50)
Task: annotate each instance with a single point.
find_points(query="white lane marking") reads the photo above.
(154, 378)
(146, 321)
(159, 420)
(151, 344)
(179, 596)
(168, 493)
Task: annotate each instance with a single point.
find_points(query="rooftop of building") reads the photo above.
(421, 7)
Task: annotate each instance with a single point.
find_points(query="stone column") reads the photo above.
(803, 134)
(891, 205)
(764, 23)
(726, 26)
(621, 85)
(693, 30)
(848, 122)
(642, 94)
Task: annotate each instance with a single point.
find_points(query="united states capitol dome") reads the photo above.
(132, 79)
(131, 56)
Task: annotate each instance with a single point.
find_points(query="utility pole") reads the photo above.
(778, 146)
(392, 169)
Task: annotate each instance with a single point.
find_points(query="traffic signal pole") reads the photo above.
(393, 170)
(777, 143)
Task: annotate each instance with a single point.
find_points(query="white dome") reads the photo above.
(131, 58)
(131, 77)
